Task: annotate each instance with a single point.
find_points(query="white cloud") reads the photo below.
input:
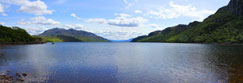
(1, 8)
(4, 14)
(154, 25)
(23, 22)
(35, 30)
(97, 20)
(44, 21)
(75, 16)
(128, 5)
(73, 26)
(119, 35)
(41, 20)
(124, 15)
(138, 11)
(33, 7)
(176, 11)
(125, 20)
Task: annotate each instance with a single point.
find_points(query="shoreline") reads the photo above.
(193, 43)
(20, 43)
(29, 43)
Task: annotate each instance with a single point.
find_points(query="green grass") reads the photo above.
(61, 38)
(52, 39)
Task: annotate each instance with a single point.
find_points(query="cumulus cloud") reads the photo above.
(1, 8)
(23, 22)
(41, 20)
(176, 11)
(138, 11)
(73, 26)
(119, 35)
(154, 25)
(44, 21)
(75, 16)
(97, 20)
(34, 30)
(123, 15)
(126, 21)
(122, 20)
(33, 7)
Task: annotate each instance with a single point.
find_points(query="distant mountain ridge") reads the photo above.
(225, 26)
(62, 35)
(128, 40)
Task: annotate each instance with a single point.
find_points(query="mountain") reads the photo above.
(71, 35)
(16, 35)
(160, 36)
(225, 26)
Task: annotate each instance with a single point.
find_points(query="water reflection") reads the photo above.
(125, 62)
(229, 60)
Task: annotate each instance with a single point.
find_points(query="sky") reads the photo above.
(111, 19)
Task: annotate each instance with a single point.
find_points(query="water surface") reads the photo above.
(125, 62)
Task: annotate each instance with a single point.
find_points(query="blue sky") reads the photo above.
(112, 19)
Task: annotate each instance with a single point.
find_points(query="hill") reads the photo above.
(62, 38)
(16, 35)
(71, 35)
(225, 26)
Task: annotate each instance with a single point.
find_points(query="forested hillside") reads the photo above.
(16, 35)
(225, 26)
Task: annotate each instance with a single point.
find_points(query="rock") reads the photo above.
(19, 79)
(24, 74)
(234, 7)
(17, 74)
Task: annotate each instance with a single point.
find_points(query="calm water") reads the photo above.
(125, 62)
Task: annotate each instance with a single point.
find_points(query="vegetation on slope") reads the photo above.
(219, 28)
(15, 35)
(225, 26)
(61, 38)
(77, 34)
(164, 35)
